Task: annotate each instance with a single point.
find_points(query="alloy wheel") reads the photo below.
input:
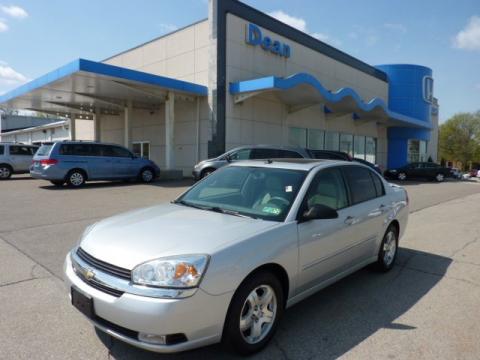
(402, 176)
(439, 177)
(389, 248)
(258, 314)
(147, 175)
(4, 172)
(76, 179)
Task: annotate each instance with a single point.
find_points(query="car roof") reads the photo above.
(291, 164)
(266, 146)
(80, 142)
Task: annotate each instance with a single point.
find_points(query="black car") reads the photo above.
(419, 170)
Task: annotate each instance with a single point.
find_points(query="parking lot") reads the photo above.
(427, 307)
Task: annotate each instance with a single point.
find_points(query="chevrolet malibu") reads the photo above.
(224, 260)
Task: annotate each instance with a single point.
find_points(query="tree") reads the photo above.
(459, 138)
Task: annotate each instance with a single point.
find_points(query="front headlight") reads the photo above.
(184, 271)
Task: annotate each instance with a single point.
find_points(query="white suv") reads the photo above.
(15, 158)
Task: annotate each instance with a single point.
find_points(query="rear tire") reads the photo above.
(402, 176)
(439, 177)
(6, 172)
(256, 307)
(388, 249)
(76, 178)
(146, 175)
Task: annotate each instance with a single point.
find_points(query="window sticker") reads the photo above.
(271, 210)
(288, 188)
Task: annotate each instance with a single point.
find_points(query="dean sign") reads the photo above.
(255, 37)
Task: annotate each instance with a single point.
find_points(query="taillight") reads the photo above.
(48, 162)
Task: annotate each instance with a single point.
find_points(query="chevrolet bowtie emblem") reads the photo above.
(89, 274)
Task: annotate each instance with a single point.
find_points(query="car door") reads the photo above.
(123, 162)
(21, 157)
(324, 244)
(368, 208)
(413, 170)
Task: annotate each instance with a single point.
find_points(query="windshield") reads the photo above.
(256, 192)
(44, 150)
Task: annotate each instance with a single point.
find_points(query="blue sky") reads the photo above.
(38, 36)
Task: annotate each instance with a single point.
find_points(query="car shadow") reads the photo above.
(336, 319)
(112, 184)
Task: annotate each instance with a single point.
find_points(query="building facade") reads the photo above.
(241, 77)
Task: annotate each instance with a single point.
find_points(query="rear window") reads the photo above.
(22, 150)
(44, 150)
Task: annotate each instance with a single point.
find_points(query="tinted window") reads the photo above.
(21, 150)
(116, 151)
(78, 150)
(289, 154)
(2, 149)
(360, 183)
(318, 154)
(264, 154)
(378, 184)
(327, 189)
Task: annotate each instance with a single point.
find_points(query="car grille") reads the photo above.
(103, 266)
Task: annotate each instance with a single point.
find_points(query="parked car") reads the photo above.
(225, 259)
(456, 173)
(75, 162)
(419, 170)
(251, 152)
(375, 167)
(15, 158)
(474, 172)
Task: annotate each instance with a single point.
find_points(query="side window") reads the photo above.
(33, 149)
(327, 189)
(2, 149)
(378, 184)
(243, 154)
(264, 154)
(360, 183)
(118, 151)
(289, 154)
(20, 150)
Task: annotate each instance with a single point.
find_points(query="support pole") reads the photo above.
(197, 158)
(170, 131)
(96, 125)
(72, 128)
(126, 124)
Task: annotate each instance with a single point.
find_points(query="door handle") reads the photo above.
(349, 220)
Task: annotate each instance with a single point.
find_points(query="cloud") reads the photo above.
(8, 76)
(14, 11)
(469, 37)
(301, 24)
(3, 26)
(166, 28)
(367, 35)
(395, 27)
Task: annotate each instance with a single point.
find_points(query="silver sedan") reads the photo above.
(224, 260)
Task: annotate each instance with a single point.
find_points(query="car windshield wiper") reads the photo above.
(230, 212)
(184, 203)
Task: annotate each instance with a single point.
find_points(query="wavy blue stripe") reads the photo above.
(278, 83)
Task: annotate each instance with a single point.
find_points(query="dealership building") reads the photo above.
(241, 77)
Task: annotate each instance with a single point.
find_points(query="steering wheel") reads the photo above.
(277, 200)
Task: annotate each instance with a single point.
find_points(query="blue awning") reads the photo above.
(83, 86)
(304, 89)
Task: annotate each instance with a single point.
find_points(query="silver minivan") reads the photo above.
(15, 158)
(225, 259)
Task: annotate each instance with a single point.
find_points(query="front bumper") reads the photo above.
(199, 317)
(196, 174)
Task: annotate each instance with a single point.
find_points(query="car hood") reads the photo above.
(129, 239)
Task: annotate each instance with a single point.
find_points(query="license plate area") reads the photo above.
(82, 302)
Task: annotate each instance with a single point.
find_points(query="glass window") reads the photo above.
(378, 184)
(371, 149)
(265, 193)
(289, 154)
(21, 150)
(260, 153)
(428, 89)
(413, 151)
(316, 139)
(297, 137)
(44, 149)
(359, 147)
(346, 143)
(117, 151)
(2, 149)
(327, 189)
(243, 154)
(331, 141)
(77, 150)
(360, 183)
(141, 149)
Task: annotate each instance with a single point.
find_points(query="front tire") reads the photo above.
(6, 172)
(388, 249)
(254, 314)
(439, 177)
(76, 178)
(146, 175)
(206, 172)
(402, 176)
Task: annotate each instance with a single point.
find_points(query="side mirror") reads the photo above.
(228, 158)
(318, 212)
